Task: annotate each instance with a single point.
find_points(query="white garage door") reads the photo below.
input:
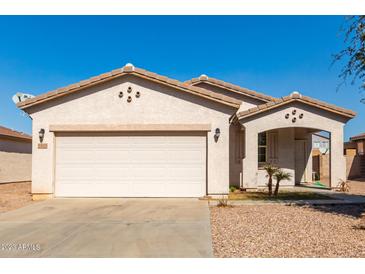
(130, 166)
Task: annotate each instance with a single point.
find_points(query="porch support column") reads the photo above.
(250, 160)
(337, 159)
(309, 167)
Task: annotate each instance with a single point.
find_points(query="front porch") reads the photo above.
(289, 149)
(281, 134)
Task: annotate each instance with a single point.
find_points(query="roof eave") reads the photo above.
(259, 97)
(119, 73)
(357, 138)
(257, 110)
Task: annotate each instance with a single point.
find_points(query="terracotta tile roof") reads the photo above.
(360, 136)
(129, 69)
(7, 132)
(295, 96)
(230, 87)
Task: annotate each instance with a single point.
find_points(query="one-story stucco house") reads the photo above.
(134, 133)
(15, 156)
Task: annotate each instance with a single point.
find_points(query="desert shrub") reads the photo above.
(343, 186)
(232, 188)
(222, 202)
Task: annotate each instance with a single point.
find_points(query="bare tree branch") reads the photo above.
(354, 53)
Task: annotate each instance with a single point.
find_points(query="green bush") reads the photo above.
(232, 189)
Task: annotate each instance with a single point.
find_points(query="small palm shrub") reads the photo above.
(270, 170)
(279, 176)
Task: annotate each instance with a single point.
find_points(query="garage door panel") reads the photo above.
(187, 156)
(74, 156)
(187, 174)
(130, 166)
(75, 173)
(111, 156)
(184, 189)
(87, 190)
(148, 156)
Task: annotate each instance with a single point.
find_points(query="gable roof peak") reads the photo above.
(129, 69)
(295, 97)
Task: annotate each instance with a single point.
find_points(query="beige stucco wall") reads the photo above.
(247, 102)
(313, 118)
(353, 166)
(12, 145)
(235, 165)
(158, 104)
(15, 167)
(15, 160)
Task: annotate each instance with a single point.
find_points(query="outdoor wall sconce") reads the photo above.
(217, 134)
(287, 116)
(138, 94)
(129, 89)
(41, 135)
(129, 99)
(120, 94)
(301, 116)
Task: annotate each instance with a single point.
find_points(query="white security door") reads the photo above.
(130, 166)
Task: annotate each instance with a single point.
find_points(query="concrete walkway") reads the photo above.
(107, 228)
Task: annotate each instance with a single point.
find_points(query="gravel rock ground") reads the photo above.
(14, 195)
(357, 186)
(288, 231)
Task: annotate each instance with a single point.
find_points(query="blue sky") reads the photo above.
(271, 54)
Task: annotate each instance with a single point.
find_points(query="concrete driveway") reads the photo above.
(107, 228)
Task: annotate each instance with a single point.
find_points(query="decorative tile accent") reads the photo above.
(294, 112)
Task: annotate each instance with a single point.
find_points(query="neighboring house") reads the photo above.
(355, 156)
(134, 133)
(359, 143)
(15, 156)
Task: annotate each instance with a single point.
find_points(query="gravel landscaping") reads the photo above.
(14, 195)
(357, 186)
(288, 231)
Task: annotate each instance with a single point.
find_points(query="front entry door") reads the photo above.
(301, 160)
